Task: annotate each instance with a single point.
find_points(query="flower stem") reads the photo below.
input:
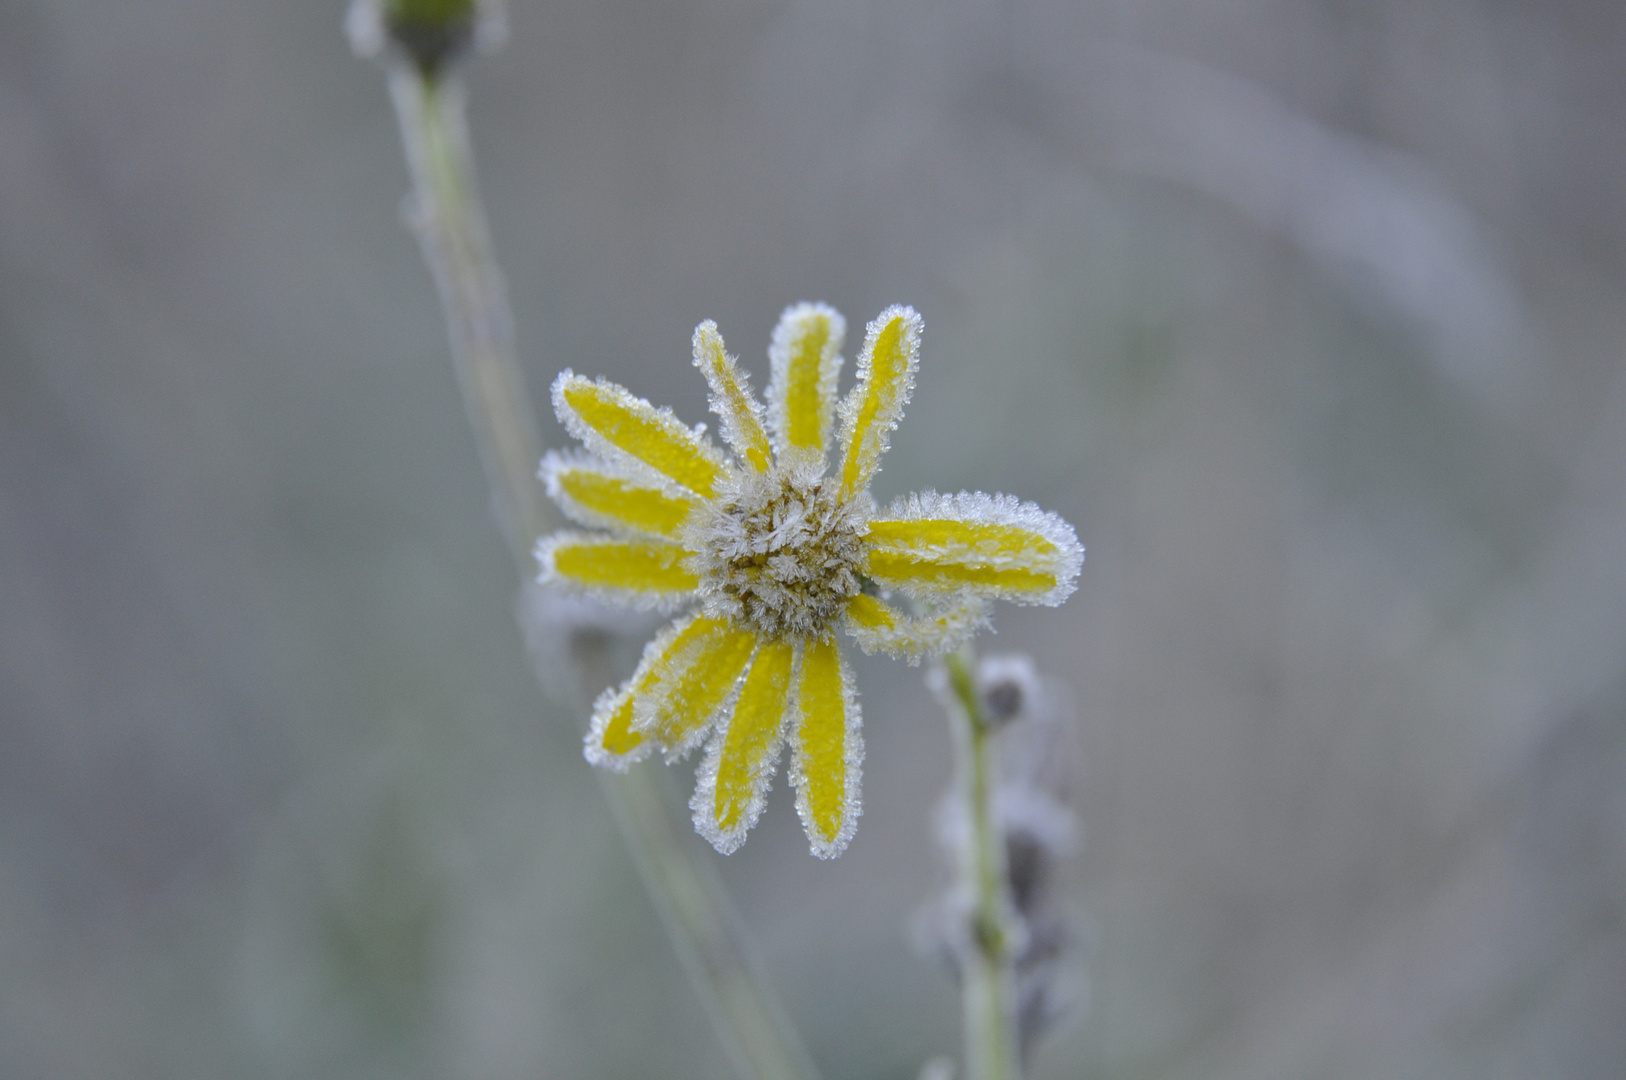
(446, 215)
(709, 937)
(988, 979)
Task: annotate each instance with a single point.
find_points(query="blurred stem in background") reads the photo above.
(419, 41)
(446, 215)
(988, 970)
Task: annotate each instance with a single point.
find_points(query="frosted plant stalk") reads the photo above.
(988, 972)
(1006, 819)
(445, 213)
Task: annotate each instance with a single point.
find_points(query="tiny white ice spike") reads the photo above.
(773, 556)
(879, 627)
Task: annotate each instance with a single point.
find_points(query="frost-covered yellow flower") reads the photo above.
(769, 554)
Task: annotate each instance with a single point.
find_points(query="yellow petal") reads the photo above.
(652, 573)
(929, 577)
(733, 782)
(879, 627)
(614, 423)
(804, 363)
(886, 375)
(731, 398)
(680, 712)
(611, 740)
(594, 492)
(871, 613)
(938, 546)
(829, 749)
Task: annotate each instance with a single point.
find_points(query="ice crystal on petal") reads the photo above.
(731, 397)
(877, 627)
(886, 378)
(593, 492)
(731, 786)
(805, 360)
(651, 442)
(992, 545)
(645, 574)
(828, 752)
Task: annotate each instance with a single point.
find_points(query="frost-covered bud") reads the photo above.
(1038, 752)
(1038, 768)
(1008, 687)
(430, 33)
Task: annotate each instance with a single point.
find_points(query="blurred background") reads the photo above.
(1307, 313)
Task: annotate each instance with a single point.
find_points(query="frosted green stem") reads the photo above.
(708, 935)
(988, 978)
(446, 216)
(450, 224)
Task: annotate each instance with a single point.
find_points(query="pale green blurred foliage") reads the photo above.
(1308, 316)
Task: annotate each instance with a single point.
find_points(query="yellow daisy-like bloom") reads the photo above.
(770, 554)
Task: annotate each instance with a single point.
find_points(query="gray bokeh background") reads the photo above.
(1308, 314)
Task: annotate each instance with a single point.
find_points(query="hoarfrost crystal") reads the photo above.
(778, 551)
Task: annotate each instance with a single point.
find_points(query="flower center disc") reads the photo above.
(778, 553)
